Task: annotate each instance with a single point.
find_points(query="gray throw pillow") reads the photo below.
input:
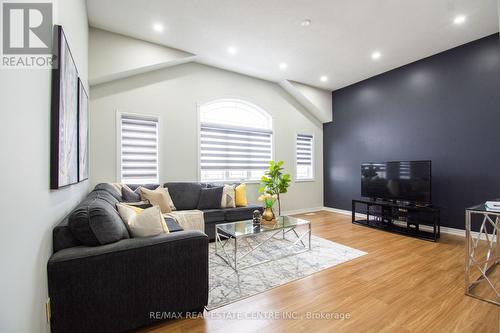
(210, 198)
(131, 196)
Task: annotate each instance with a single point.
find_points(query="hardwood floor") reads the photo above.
(402, 285)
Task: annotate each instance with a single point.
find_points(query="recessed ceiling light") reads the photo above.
(459, 19)
(232, 50)
(324, 78)
(376, 55)
(305, 23)
(283, 66)
(158, 27)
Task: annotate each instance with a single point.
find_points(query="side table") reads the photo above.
(482, 254)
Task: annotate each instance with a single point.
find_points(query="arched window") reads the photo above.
(235, 140)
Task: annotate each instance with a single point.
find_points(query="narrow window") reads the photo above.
(138, 158)
(304, 157)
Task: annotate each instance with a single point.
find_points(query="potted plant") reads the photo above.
(273, 183)
(268, 201)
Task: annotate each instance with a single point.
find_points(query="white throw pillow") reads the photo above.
(143, 222)
(228, 197)
(160, 196)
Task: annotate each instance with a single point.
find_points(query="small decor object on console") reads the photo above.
(268, 200)
(275, 182)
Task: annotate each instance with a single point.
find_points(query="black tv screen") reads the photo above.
(404, 181)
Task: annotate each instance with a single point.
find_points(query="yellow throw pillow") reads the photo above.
(158, 197)
(143, 222)
(241, 195)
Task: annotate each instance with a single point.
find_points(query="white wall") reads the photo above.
(174, 94)
(321, 99)
(29, 208)
(112, 54)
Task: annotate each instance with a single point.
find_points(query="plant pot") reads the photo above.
(268, 216)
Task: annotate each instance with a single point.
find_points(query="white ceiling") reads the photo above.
(338, 43)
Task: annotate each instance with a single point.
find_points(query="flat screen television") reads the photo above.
(402, 181)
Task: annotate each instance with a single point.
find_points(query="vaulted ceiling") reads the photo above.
(333, 39)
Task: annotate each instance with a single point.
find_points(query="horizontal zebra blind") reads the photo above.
(228, 152)
(304, 146)
(138, 149)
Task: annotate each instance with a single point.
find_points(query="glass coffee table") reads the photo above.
(249, 237)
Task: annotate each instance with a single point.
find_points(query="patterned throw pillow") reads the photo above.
(131, 196)
(143, 222)
(228, 197)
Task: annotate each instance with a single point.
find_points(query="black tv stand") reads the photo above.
(407, 219)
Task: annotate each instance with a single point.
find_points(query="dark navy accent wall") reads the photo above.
(445, 108)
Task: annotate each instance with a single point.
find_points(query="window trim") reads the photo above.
(118, 146)
(313, 155)
(199, 105)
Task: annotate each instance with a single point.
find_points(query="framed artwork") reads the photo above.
(64, 123)
(83, 133)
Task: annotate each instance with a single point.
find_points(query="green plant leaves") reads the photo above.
(275, 181)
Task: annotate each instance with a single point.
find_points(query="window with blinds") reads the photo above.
(235, 141)
(138, 158)
(304, 149)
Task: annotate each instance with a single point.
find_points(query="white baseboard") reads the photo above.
(302, 211)
(444, 230)
(342, 211)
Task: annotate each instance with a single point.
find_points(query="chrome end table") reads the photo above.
(482, 253)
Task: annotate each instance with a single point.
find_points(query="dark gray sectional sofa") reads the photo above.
(101, 280)
(186, 195)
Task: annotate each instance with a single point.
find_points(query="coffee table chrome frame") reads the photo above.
(222, 239)
(492, 256)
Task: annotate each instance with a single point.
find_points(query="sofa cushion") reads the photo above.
(108, 187)
(95, 221)
(102, 195)
(62, 237)
(210, 198)
(240, 213)
(184, 195)
(213, 215)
